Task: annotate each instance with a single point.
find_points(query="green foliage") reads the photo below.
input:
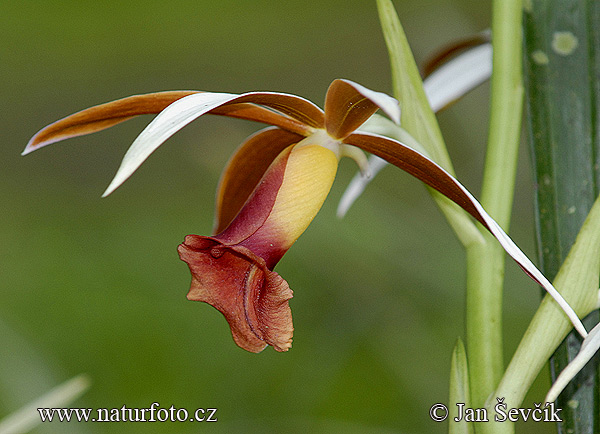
(459, 389)
(561, 59)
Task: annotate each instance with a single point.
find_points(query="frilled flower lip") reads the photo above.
(253, 299)
(347, 106)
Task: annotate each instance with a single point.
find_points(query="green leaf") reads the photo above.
(562, 52)
(459, 389)
(27, 417)
(417, 116)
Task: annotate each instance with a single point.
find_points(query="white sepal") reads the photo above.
(458, 76)
(168, 122)
(589, 347)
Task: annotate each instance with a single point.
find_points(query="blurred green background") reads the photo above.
(91, 285)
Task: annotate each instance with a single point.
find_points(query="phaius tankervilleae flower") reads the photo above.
(270, 190)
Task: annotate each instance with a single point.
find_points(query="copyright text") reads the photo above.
(501, 413)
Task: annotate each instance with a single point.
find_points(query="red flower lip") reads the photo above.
(253, 299)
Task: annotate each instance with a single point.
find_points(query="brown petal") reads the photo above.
(256, 113)
(348, 105)
(103, 116)
(253, 299)
(417, 165)
(245, 169)
(292, 105)
(106, 115)
(345, 109)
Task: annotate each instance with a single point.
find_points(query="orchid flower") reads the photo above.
(271, 189)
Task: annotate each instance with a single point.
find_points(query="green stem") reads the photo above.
(484, 319)
(485, 261)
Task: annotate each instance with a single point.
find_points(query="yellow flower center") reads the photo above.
(309, 174)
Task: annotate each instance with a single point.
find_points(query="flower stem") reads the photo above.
(485, 261)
